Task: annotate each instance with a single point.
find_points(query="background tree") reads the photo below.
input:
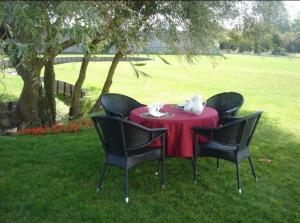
(295, 26)
(125, 26)
(230, 40)
(262, 28)
(291, 40)
(35, 33)
(186, 28)
(75, 104)
(97, 44)
(272, 13)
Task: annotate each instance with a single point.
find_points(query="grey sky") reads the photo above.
(293, 8)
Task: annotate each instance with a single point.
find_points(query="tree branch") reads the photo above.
(66, 44)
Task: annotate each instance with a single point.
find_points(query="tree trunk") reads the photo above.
(33, 107)
(108, 81)
(27, 108)
(75, 105)
(49, 82)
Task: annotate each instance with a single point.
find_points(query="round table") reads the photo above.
(180, 126)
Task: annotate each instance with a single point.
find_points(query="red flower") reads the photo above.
(33, 131)
(70, 127)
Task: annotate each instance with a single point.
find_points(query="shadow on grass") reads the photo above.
(55, 176)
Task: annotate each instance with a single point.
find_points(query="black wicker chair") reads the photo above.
(230, 142)
(118, 105)
(126, 144)
(227, 104)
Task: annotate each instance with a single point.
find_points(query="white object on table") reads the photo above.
(198, 104)
(188, 105)
(153, 109)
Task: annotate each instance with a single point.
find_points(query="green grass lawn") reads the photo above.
(52, 178)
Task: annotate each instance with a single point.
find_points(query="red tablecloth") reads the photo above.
(180, 124)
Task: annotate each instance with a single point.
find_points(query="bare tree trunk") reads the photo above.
(49, 81)
(108, 81)
(75, 106)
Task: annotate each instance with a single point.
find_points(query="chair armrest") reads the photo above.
(146, 128)
(111, 113)
(203, 130)
(215, 133)
(157, 129)
(232, 110)
(157, 133)
(226, 120)
(138, 136)
(152, 139)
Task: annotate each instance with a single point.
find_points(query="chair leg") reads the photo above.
(100, 182)
(162, 158)
(193, 161)
(162, 174)
(252, 168)
(157, 168)
(238, 177)
(218, 164)
(126, 186)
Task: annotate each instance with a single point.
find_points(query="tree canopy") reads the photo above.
(33, 33)
(266, 28)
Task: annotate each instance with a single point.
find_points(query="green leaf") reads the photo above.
(134, 70)
(143, 73)
(164, 60)
(139, 64)
(137, 72)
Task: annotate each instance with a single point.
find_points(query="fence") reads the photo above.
(61, 60)
(60, 87)
(66, 89)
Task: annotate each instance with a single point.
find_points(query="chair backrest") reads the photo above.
(118, 105)
(225, 101)
(110, 131)
(117, 135)
(238, 132)
(250, 124)
(229, 133)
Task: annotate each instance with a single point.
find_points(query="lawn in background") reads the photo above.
(52, 178)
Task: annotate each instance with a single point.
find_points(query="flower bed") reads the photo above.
(58, 128)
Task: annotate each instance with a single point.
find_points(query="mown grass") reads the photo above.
(52, 178)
